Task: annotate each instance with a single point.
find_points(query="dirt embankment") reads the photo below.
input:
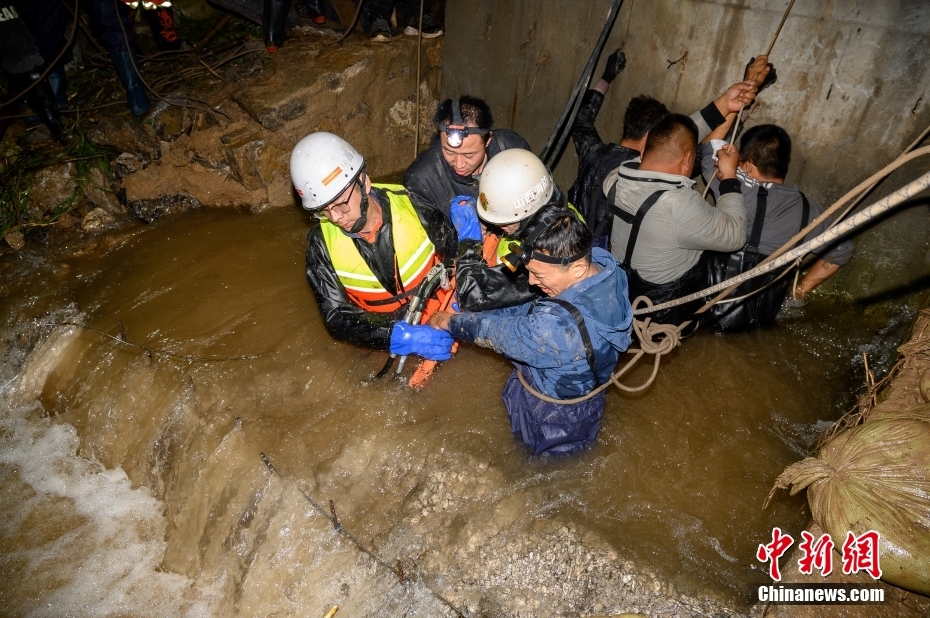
(226, 140)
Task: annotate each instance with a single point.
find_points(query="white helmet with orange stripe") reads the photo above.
(322, 166)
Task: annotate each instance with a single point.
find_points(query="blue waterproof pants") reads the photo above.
(551, 428)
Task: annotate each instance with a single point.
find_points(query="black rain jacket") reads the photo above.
(435, 183)
(343, 319)
(595, 161)
(482, 287)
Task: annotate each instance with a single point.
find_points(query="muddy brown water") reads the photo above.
(133, 484)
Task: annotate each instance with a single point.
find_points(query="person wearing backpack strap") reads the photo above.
(596, 158)
(653, 197)
(776, 211)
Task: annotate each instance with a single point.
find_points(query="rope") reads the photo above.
(906, 192)
(51, 65)
(646, 332)
(866, 192)
(416, 131)
(778, 30)
(670, 334)
(337, 525)
(863, 186)
(739, 114)
(208, 109)
(794, 267)
(150, 352)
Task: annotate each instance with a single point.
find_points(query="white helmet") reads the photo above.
(322, 166)
(514, 184)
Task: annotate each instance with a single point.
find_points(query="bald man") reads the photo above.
(662, 226)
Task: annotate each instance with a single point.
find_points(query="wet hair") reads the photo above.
(768, 147)
(671, 137)
(475, 112)
(565, 236)
(642, 114)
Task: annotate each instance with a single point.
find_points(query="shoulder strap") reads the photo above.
(806, 212)
(582, 330)
(635, 220)
(759, 220)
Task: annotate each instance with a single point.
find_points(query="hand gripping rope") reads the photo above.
(739, 115)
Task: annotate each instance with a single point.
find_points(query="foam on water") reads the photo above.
(97, 551)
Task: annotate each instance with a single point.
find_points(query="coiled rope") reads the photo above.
(670, 335)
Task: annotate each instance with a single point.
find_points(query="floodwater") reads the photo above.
(133, 485)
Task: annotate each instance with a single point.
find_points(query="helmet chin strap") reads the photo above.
(363, 219)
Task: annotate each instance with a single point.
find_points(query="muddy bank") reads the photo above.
(226, 140)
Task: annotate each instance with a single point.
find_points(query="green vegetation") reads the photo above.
(18, 169)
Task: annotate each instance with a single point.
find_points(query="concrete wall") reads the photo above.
(853, 87)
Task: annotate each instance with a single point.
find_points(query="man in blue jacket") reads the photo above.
(563, 346)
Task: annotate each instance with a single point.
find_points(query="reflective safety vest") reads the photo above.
(496, 247)
(414, 255)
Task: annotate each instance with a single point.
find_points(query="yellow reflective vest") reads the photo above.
(414, 252)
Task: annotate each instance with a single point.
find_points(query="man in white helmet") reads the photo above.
(515, 191)
(371, 251)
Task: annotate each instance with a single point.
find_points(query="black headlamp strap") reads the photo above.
(458, 122)
(362, 220)
(561, 261)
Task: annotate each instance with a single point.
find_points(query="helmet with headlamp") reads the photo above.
(455, 130)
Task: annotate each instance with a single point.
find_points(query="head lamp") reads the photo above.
(456, 131)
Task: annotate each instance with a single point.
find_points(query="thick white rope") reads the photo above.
(670, 335)
(904, 193)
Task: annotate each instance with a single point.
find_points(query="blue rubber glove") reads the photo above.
(421, 340)
(465, 217)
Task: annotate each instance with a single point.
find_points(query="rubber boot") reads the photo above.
(312, 9)
(42, 102)
(273, 19)
(164, 31)
(59, 85)
(136, 98)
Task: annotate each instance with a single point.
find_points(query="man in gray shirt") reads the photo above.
(775, 213)
(662, 226)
